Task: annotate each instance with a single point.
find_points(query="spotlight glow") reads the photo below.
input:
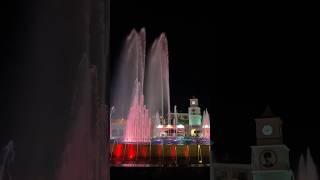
(160, 126)
(180, 126)
(206, 126)
(169, 126)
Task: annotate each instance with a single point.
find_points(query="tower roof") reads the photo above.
(267, 113)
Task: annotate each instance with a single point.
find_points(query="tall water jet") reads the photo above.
(8, 158)
(206, 124)
(175, 120)
(157, 78)
(311, 169)
(307, 169)
(130, 69)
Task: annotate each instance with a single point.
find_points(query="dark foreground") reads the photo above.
(163, 173)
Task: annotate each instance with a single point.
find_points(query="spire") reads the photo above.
(267, 112)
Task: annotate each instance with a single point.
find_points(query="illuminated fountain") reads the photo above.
(307, 169)
(127, 89)
(128, 86)
(138, 122)
(141, 98)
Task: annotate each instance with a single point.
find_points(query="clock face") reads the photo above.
(267, 130)
(268, 158)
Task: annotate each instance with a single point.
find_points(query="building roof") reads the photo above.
(193, 97)
(267, 113)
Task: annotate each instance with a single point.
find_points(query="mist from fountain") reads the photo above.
(307, 169)
(8, 158)
(206, 124)
(84, 156)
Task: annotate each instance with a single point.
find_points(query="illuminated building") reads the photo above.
(180, 139)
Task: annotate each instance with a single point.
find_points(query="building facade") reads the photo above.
(269, 157)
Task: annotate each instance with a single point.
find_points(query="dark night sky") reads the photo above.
(234, 59)
(11, 23)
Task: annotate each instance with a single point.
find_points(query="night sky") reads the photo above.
(235, 59)
(11, 35)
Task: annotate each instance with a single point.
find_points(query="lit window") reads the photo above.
(193, 132)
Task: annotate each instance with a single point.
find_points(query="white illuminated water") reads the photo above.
(307, 169)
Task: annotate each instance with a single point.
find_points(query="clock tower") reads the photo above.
(194, 112)
(270, 157)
